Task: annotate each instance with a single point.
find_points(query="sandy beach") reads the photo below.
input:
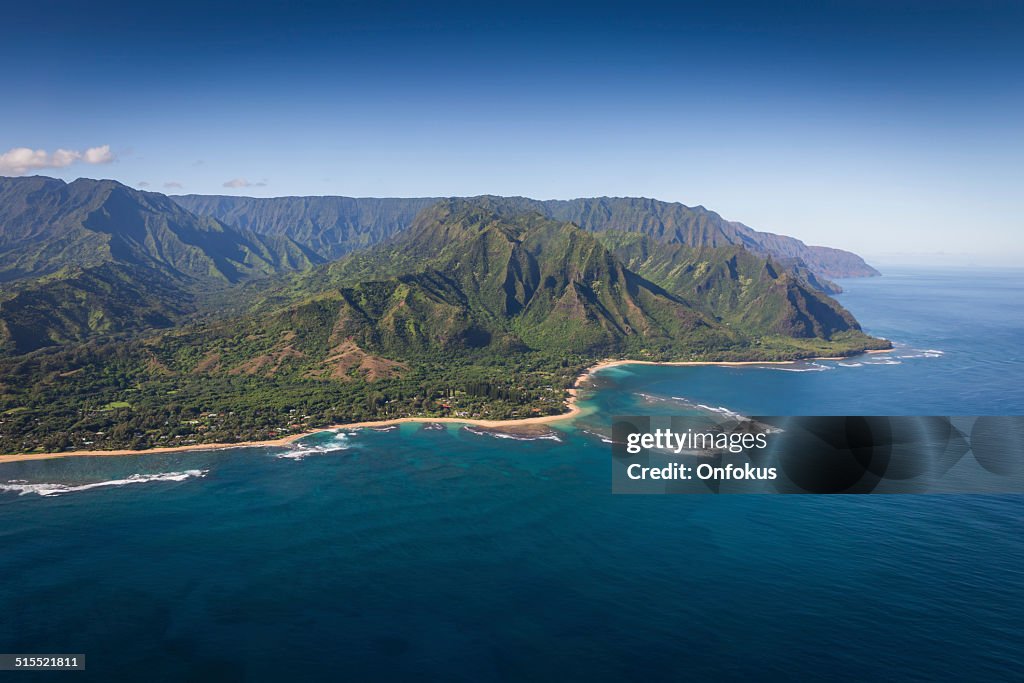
(571, 404)
(726, 363)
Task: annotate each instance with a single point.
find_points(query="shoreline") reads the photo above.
(573, 411)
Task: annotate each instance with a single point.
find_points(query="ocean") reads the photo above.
(410, 553)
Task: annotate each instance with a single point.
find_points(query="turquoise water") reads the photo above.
(388, 555)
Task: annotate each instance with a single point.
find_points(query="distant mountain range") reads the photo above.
(335, 226)
(98, 258)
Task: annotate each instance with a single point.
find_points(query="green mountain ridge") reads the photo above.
(96, 257)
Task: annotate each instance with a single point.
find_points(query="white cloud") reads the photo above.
(98, 155)
(22, 160)
(59, 159)
(173, 185)
(242, 182)
(142, 183)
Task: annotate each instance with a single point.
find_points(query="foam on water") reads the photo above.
(807, 367)
(299, 450)
(23, 488)
(303, 451)
(718, 410)
(722, 410)
(922, 353)
(596, 435)
(514, 437)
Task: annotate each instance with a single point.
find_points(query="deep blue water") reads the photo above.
(465, 557)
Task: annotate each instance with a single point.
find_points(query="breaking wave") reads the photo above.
(806, 367)
(515, 437)
(300, 451)
(24, 488)
(652, 398)
(722, 410)
(596, 435)
(926, 353)
(717, 410)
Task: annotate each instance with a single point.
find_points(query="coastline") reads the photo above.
(725, 363)
(573, 411)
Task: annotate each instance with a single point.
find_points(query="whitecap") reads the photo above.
(303, 451)
(922, 353)
(515, 437)
(651, 397)
(851, 365)
(809, 367)
(602, 437)
(722, 410)
(44, 489)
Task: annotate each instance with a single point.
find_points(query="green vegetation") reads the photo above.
(115, 401)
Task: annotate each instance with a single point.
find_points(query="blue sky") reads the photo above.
(895, 129)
